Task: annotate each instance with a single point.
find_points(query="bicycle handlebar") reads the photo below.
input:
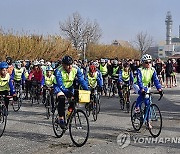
(161, 95)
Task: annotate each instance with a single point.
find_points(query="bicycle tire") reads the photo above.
(135, 116)
(76, 117)
(156, 117)
(56, 127)
(3, 119)
(48, 107)
(17, 104)
(94, 109)
(98, 104)
(88, 109)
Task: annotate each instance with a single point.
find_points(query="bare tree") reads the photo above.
(80, 32)
(143, 42)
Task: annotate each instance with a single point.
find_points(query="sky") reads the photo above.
(118, 19)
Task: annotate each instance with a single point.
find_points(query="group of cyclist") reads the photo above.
(64, 76)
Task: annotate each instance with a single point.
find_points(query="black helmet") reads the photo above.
(126, 64)
(67, 60)
(9, 60)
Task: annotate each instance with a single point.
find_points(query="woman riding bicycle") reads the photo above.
(144, 76)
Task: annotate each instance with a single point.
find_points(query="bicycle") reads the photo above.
(151, 112)
(35, 92)
(3, 115)
(125, 96)
(76, 120)
(17, 104)
(94, 105)
(48, 102)
(112, 86)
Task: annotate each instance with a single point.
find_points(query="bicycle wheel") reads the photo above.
(121, 103)
(110, 90)
(17, 104)
(94, 109)
(98, 104)
(155, 120)
(56, 127)
(3, 118)
(79, 128)
(47, 105)
(136, 118)
(88, 109)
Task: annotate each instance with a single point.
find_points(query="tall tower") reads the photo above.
(168, 22)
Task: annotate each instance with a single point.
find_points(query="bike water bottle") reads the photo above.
(69, 112)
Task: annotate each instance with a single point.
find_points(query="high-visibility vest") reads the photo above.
(18, 74)
(115, 69)
(68, 78)
(125, 75)
(49, 81)
(103, 69)
(4, 83)
(146, 75)
(92, 80)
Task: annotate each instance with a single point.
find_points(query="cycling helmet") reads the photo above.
(35, 63)
(9, 60)
(49, 68)
(67, 60)
(3, 65)
(48, 63)
(115, 62)
(92, 68)
(41, 61)
(146, 57)
(18, 64)
(96, 64)
(103, 61)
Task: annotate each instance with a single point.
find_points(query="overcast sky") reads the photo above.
(118, 19)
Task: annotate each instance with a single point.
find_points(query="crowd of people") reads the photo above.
(67, 74)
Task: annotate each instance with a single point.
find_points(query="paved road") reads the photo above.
(28, 131)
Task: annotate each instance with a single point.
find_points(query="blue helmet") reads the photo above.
(3, 65)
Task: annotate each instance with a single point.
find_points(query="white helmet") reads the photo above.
(35, 63)
(146, 57)
(103, 61)
(48, 63)
(41, 61)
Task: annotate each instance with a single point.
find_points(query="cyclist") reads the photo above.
(125, 77)
(6, 84)
(48, 81)
(114, 73)
(10, 66)
(65, 75)
(18, 74)
(104, 69)
(36, 76)
(94, 78)
(144, 76)
(43, 67)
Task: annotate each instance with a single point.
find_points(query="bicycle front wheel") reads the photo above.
(155, 120)
(17, 104)
(56, 127)
(79, 128)
(136, 118)
(3, 118)
(94, 110)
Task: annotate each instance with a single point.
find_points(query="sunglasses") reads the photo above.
(148, 62)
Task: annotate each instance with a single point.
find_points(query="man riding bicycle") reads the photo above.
(125, 78)
(65, 75)
(144, 76)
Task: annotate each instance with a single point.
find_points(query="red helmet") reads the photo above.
(92, 68)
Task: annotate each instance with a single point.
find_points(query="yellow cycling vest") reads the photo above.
(92, 80)
(68, 78)
(125, 75)
(103, 69)
(4, 83)
(18, 74)
(49, 81)
(146, 75)
(115, 70)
